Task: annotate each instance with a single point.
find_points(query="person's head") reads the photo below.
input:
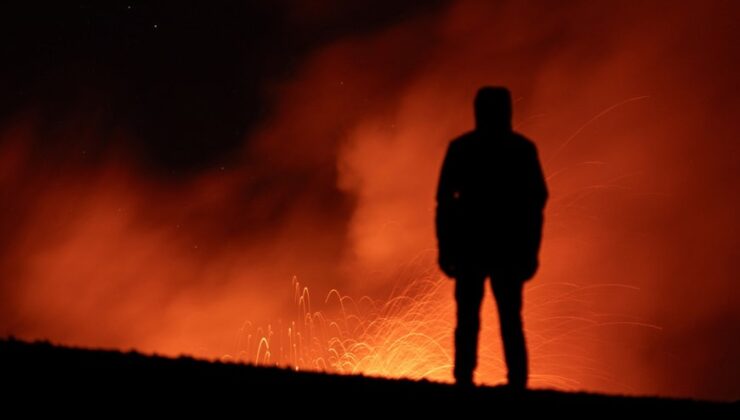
(493, 109)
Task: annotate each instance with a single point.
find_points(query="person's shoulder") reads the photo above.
(525, 143)
(462, 140)
(522, 140)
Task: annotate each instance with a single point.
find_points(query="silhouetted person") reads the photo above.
(490, 204)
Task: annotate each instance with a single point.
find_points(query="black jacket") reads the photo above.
(490, 204)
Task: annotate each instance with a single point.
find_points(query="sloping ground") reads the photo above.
(41, 372)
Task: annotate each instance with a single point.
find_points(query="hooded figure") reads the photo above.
(490, 204)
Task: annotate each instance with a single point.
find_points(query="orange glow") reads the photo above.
(409, 335)
(633, 111)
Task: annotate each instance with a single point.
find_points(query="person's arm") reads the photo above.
(538, 177)
(537, 197)
(444, 217)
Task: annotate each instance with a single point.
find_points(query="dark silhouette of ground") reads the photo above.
(74, 378)
(490, 200)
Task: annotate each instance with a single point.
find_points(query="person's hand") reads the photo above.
(447, 266)
(529, 268)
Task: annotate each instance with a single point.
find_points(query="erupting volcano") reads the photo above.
(256, 183)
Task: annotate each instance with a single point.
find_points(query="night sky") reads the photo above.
(190, 81)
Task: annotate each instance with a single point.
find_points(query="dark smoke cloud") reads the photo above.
(190, 81)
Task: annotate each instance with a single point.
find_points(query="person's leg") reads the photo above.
(508, 295)
(468, 295)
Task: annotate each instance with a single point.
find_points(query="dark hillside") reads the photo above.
(42, 372)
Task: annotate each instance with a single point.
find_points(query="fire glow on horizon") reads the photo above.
(409, 335)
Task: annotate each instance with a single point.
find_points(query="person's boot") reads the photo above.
(516, 383)
(464, 380)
